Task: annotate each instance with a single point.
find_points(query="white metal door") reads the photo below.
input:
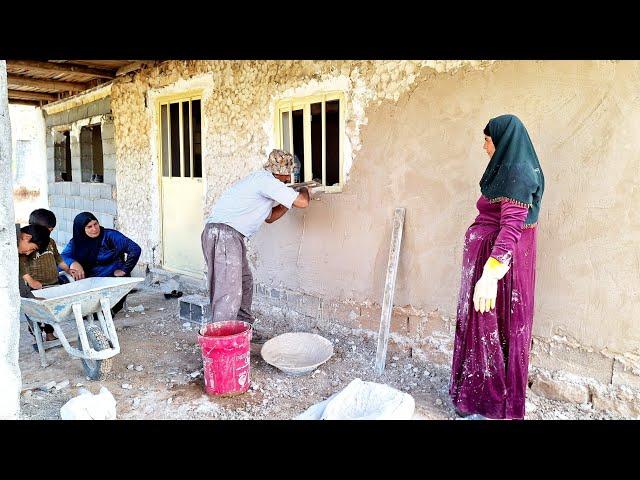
(181, 184)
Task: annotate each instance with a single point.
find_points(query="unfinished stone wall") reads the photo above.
(415, 140)
(237, 120)
(67, 199)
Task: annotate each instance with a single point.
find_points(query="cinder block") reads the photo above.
(78, 203)
(75, 189)
(625, 375)
(263, 290)
(277, 294)
(67, 227)
(294, 300)
(342, 313)
(88, 205)
(395, 348)
(110, 207)
(546, 386)
(106, 191)
(560, 357)
(92, 109)
(66, 188)
(99, 206)
(370, 317)
(109, 161)
(108, 147)
(195, 309)
(85, 190)
(62, 118)
(185, 311)
(310, 306)
(94, 191)
(429, 354)
(107, 220)
(69, 201)
(399, 325)
(109, 177)
(107, 130)
(71, 115)
(105, 105)
(420, 328)
(56, 211)
(82, 112)
(625, 404)
(106, 206)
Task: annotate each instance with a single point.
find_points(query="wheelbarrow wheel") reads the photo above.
(96, 369)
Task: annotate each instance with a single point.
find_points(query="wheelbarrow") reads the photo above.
(78, 302)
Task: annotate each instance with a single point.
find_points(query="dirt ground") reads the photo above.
(158, 375)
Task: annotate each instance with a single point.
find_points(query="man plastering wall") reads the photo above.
(239, 213)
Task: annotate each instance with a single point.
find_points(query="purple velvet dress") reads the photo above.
(491, 351)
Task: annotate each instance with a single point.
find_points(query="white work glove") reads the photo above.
(486, 289)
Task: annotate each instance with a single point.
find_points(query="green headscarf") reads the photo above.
(514, 171)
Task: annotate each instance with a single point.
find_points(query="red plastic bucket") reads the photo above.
(225, 354)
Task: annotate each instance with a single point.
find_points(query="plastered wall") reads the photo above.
(415, 140)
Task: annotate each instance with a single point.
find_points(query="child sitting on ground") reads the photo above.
(40, 269)
(30, 239)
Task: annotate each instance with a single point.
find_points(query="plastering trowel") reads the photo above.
(310, 184)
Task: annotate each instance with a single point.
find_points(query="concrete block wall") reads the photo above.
(558, 370)
(67, 199)
(413, 332)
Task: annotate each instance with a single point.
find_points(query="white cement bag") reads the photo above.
(315, 412)
(363, 401)
(87, 406)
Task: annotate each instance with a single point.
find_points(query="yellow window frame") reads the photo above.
(168, 100)
(304, 104)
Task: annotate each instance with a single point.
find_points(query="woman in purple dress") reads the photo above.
(495, 306)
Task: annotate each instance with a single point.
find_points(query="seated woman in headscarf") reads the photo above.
(95, 251)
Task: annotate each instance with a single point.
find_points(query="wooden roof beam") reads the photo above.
(61, 68)
(21, 94)
(17, 101)
(60, 86)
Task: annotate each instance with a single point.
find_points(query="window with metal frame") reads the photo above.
(312, 129)
(180, 132)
